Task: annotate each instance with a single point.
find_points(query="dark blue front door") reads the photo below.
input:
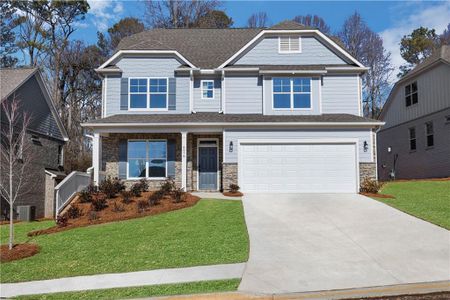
(207, 168)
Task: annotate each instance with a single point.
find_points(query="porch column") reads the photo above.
(184, 160)
(96, 157)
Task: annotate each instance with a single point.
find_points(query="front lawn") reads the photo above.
(428, 200)
(211, 232)
(144, 291)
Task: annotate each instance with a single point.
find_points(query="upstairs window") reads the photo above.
(207, 89)
(148, 93)
(291, 93)
(429, 134)
(412, 139)
(411, 96)
(289, 44)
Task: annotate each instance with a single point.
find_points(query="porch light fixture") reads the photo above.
(366, 146)
(230, 147)
(389, 149)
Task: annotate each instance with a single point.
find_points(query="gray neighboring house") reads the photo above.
(415, 141)
(46, 135)
(272, 110)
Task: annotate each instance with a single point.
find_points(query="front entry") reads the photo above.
(207, 167)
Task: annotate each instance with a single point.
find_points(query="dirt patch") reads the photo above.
(385, 196)
(19, 251)
(118, 211)
(230, 194)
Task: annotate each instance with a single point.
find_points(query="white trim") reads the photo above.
(122, 52)
(376, 152)
(358, 83)
(148, 93)
(147, 146)
(291, 93)
(96, 156)
(198, 169)
(52, 175)
(321, 72)
(106, 95)
(202, 90)
(222, 91)
(191, 91)
(290, 51)
(320, 94)
(263, 95)
(184, 160)
(317, 32)
(371, 146)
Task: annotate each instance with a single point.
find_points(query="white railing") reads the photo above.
(69, 187)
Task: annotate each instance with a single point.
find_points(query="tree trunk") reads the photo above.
(11, 202)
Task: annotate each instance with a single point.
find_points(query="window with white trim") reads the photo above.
(411, 96)
(147, 159)
(289, 44)
(207, 89)
(412, 139)
(148, 93)
(429, 134)
(291, 93)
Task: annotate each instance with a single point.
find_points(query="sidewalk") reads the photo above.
(118, 280)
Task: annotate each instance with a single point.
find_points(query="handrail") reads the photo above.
(68, 188)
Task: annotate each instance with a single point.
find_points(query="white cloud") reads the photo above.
(118, 8)
(104, 12)
(435, 16)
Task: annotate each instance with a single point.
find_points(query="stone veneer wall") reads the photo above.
(367, 170)
(230, 175)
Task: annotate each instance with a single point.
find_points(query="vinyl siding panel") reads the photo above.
(340, 94)
(266, 53)
(422, 163)
(207, 105)
(234, 135)
(243, 94)
(433, 94)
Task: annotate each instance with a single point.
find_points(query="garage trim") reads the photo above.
(300, 141)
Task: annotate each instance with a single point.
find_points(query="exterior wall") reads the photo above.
(315, 99)
(340, 94)
(433, 94)
(207, 105)
(423, 162)
(243, 94)
(266, 53)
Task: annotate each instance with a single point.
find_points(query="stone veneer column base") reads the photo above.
(230, 175)
(367, 170)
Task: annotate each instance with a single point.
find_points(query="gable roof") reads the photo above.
(289, 25)
(442, 55)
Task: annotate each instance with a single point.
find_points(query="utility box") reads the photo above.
(26, 213)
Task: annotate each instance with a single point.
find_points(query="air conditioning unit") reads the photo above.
(26, 213)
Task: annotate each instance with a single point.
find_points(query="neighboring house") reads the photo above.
(415, 142)
(272, 110)
(46, 135)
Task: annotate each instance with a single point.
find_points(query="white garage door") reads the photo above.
(300, 168)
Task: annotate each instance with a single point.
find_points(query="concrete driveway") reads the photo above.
(312, 242)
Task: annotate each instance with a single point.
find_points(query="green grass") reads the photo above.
(144, 291)
(211, 232)
(428, 200)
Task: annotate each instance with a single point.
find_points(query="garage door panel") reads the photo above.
(305, 168)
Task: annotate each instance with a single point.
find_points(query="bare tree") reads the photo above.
(177, 14)
(258, 20)
(15, 157)
(313, 21)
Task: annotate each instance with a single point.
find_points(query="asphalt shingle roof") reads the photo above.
(442, 53)
(11, 79)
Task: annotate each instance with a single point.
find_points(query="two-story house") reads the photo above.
(415, 142)
(272, 110)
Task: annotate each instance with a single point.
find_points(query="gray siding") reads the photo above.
(233, 135)
(243, 94)
(433, 92)
(207, 105)
(266, 53)
(146, 67)
(340, 94)
(315, 100)
(423, 162)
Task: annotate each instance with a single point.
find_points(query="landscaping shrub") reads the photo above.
(234, 188)
(62, 221)
(155, 197)
(111, 186)
(126, 196)
(143, 183)
(98, 203)
(178, 195)
(168, 186)
(85, 195)
(142, 205)
(92, 189)
(139, 187)
(92, 216)
(119, 185)
(117, 207)
(74, 212)
(370, 186)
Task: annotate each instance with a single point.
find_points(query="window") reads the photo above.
(291, 93)
(148, 93)
(429, 133)
(147, 159)
(207, 89)
(289, 44)
(60, 156)
(411, 96)
(412, 139)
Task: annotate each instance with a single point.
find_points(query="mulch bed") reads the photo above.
(19, 251)
(385, 196)
(130, 211)
(230, 194)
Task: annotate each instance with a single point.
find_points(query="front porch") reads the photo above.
(192, 159)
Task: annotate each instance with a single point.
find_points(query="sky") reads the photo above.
(391, 19)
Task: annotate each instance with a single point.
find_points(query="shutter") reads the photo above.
(123, 144)
(172, 94)
(171, 153)
(124, 94)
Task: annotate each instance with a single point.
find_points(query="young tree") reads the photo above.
(258, 20)
(8, 22)
(15, 157)
(214, 19)
(313, 21)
